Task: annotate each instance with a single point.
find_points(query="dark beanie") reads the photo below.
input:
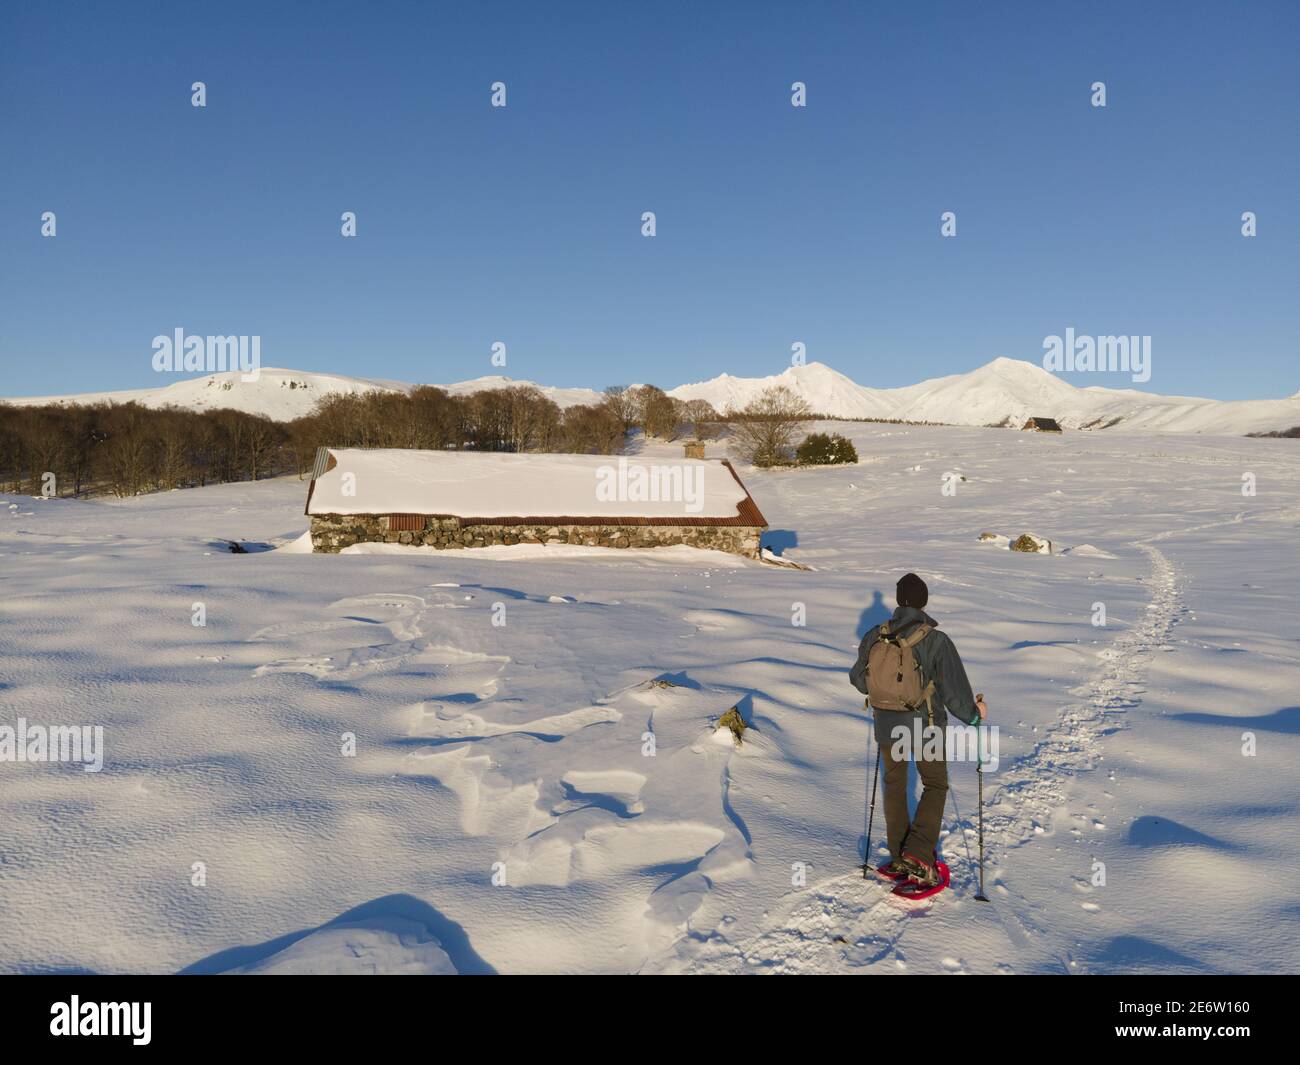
(912, 591)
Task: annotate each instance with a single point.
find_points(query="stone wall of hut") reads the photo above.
(330, 533)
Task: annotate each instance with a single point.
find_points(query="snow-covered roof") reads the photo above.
(532, 488)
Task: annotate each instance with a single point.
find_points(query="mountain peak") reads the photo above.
(1021, 367)
(816, 371)
(494, 380)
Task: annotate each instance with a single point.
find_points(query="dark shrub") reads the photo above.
(819, 449)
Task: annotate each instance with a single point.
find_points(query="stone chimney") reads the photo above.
(695, 449)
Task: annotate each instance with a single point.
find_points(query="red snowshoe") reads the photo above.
(891, 871)
(915, 889)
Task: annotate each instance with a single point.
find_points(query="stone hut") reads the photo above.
(465, 499)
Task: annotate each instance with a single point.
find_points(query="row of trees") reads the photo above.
(127, 449)
(661, 415)
(519, 418)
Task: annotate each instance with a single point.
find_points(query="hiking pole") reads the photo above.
(871, 811)
(956, 810)
(979, 772)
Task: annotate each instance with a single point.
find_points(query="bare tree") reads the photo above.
(173, 450)
(128, 450)
(655, 411)
(621, 404)
(302, 444)
(261, 442)
(11, 447)
(765, 431)
(84, 435)
(435, 415)
(593, 430)
(701, 417)
(530, 421)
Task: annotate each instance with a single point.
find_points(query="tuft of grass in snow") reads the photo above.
(1035, 545)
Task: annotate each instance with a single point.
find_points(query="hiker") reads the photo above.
(910, 672)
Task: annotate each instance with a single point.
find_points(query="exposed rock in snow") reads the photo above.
(732, 721)
(1032, 544)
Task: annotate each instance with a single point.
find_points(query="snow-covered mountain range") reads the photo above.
(1004, 391)
(281, 394)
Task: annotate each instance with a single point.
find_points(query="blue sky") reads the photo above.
(775, 224)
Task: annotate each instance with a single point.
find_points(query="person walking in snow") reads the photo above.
(913, 678)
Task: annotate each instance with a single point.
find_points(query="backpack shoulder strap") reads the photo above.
(916, 635)
(927, 692)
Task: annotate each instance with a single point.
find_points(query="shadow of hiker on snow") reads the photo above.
(873, 614)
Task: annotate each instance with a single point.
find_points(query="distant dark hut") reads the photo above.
(1042, 425)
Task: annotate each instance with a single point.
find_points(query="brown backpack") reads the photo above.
(894, 680)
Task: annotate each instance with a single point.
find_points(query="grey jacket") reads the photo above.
(937, 658)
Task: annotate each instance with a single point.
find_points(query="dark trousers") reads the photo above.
(919, 835)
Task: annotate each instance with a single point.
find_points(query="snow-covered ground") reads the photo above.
(516, 751)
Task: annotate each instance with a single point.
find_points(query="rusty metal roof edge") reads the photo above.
(733, 521)
(748, 498)
(322, 462)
